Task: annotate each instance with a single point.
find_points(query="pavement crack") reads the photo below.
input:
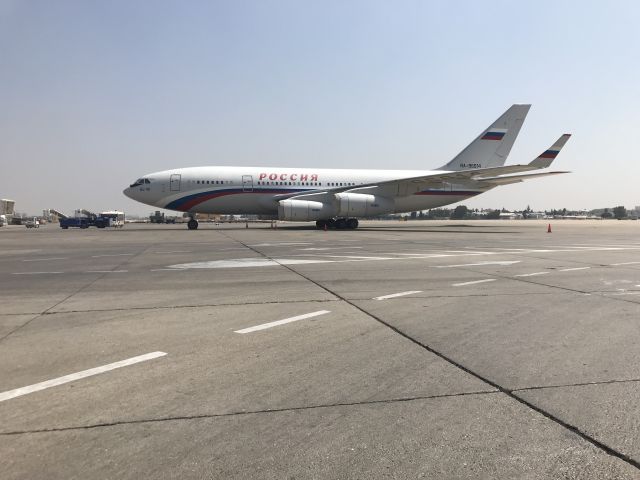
(252, 412)
(510, 393)
(580, 384)
(176, 307)
(97, 279)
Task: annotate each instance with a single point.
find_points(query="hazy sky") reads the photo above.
(93, 94)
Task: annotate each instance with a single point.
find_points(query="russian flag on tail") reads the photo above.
(494, 134)
(550, 154)
(545, 159)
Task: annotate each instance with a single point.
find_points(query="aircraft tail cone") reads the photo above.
(549, 229)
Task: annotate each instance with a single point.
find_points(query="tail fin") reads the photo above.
(548, 156)
(492, 146)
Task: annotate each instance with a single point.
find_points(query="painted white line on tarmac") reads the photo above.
(245, 263)
(107, 271)
(359, 257)
(473, 283)
(45, 259)
(167, 270)
(113, 255)
(174, 251)
(35, 273)
(285, 244)
(509, 262)
(394, 295)
(531, 274)
(327, 248)
(407, 254)
(264, 326)
(18, 392)
(624, 263)
(574, 269)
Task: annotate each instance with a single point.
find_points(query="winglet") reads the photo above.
(548, 156)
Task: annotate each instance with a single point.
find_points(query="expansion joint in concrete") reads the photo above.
(510, 393)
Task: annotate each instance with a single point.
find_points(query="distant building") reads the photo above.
(7, 209)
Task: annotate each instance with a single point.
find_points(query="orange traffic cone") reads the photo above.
(549, 229)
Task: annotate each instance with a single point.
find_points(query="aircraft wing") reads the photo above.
(410, 185)
(479, 177)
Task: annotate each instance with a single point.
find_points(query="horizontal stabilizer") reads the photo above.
(507, 179)
(548, 156)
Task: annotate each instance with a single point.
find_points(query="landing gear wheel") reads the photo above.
(192, 224)
(341, 223)
(320, 224)
(352, 223)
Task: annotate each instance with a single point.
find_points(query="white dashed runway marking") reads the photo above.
(45, 259)
(534, 274)
(394, 295)
(18, 392)
(264, 326)
(509, 262)
(473, 282)
(36, 273)
(285, 244)
(107, 271)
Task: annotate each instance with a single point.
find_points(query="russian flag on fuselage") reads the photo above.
(494, 134)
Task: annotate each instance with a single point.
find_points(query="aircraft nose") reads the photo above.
(128, 192)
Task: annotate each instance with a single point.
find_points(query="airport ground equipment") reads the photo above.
(32, 223)
(84, 222)
(112, 218)
(160, 217)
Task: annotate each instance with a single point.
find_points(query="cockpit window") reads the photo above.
(140, 181)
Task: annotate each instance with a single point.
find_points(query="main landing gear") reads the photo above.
(192, 224)
(338, 223)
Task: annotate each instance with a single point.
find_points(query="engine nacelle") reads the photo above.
(304, 210)
(362, 205)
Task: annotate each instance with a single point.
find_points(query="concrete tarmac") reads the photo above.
(400, 350)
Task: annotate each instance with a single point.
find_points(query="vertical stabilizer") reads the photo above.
(491, 148)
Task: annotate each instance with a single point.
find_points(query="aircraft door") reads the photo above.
(174, 182)
(247, 183)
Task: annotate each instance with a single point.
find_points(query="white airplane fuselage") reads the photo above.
(255, 190)
(338, 197)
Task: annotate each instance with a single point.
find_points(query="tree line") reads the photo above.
(462, 212)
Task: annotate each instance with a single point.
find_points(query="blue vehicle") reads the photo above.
(75, 222)
(85, 222)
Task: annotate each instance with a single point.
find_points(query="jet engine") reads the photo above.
(362, 205)
(304, 210)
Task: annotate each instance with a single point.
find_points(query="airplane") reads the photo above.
(336, 198)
